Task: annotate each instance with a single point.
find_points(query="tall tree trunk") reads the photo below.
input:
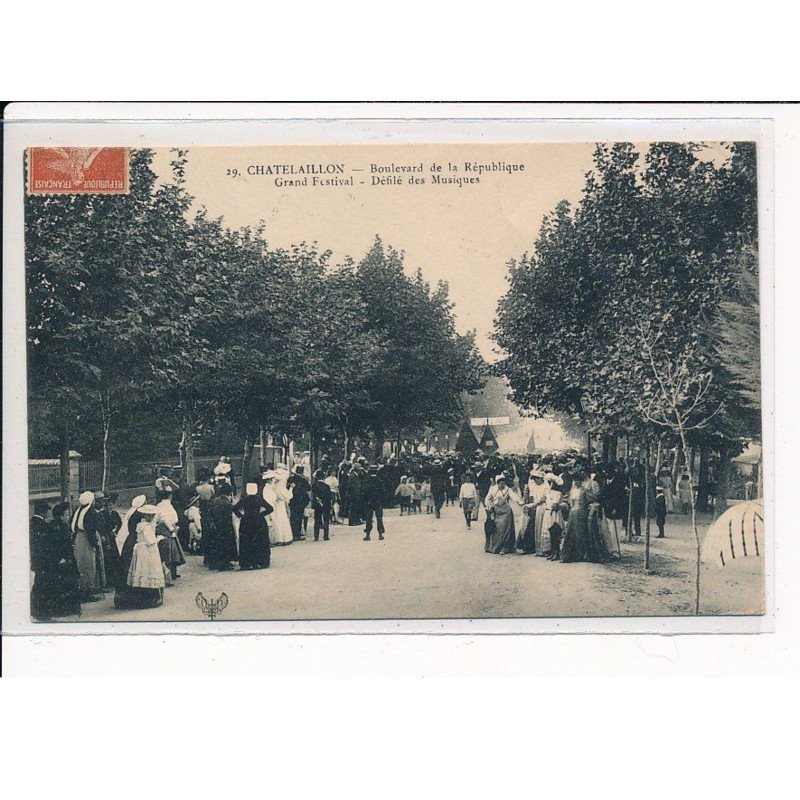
(105, 406)
(760, 484)
(659, 455)
(189, 472)
(685, 449)
(380, 438)
(702, 481)
(676, 465)
(262, 445)
(628, 531)
(647, 482)
(609, 449)
(589, 446)
(723, 484)
(247, 457)
(63, 461)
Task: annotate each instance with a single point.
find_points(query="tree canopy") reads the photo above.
(650, 255)
(148, 315)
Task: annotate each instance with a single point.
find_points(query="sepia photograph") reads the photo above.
(421, 381)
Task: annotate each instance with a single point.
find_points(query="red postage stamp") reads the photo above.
(78, 170)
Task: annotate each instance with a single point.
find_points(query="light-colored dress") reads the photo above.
(665, 482)
(553, 515)
(146, 571)
(532, 539)
(685, 490)
(278, 496)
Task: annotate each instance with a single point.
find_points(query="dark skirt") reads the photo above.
(527, 539)
(575, 546)
(254, 552)
(221, 546)
(56, 593)
(129, 597)
(171, 551)
(596, 549)
(502, 539)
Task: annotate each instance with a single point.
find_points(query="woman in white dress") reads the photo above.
(277, 494)
(146, 573)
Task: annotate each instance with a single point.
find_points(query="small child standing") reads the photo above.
(405, 493)
(195, 528)
(427, 496)
(661, 511)
(416, 497)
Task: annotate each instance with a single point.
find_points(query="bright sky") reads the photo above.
(461, 234)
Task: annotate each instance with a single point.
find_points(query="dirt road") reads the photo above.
(435, 568)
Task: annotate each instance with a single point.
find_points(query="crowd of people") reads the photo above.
(567, 504)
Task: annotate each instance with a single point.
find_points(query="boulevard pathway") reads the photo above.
(429, 568)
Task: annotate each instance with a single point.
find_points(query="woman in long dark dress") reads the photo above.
(56, 586)
(254, 552)
(222, 547)
(596, 548)
(575, 546)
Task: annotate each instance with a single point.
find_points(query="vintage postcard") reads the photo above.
(404, 378)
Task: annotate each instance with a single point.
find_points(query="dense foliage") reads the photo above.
(148, 323)
(651, 257)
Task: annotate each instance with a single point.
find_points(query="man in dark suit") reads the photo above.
(355, 490)
(438, 486)
(301, 494)
(41, 508)
(372, 502)
(322, 501)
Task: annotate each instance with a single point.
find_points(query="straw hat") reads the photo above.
(86, 498)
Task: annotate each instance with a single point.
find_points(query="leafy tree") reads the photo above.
(657, 247)
(426, 364)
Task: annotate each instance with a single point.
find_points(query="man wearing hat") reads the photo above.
(108, 524)
(438, 486)
(301, 494)
(355, 491)
(322, 500)
(86, 543)
(372, 503)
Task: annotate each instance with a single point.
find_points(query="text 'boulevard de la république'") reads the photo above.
(335, 174)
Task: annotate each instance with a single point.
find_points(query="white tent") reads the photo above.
(738, 533)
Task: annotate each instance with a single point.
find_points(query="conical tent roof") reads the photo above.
(488, 441)
(466, 444)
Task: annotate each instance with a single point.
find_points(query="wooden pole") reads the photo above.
(630, 505)
(63, 462)
(647, 504)
(261, 444)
